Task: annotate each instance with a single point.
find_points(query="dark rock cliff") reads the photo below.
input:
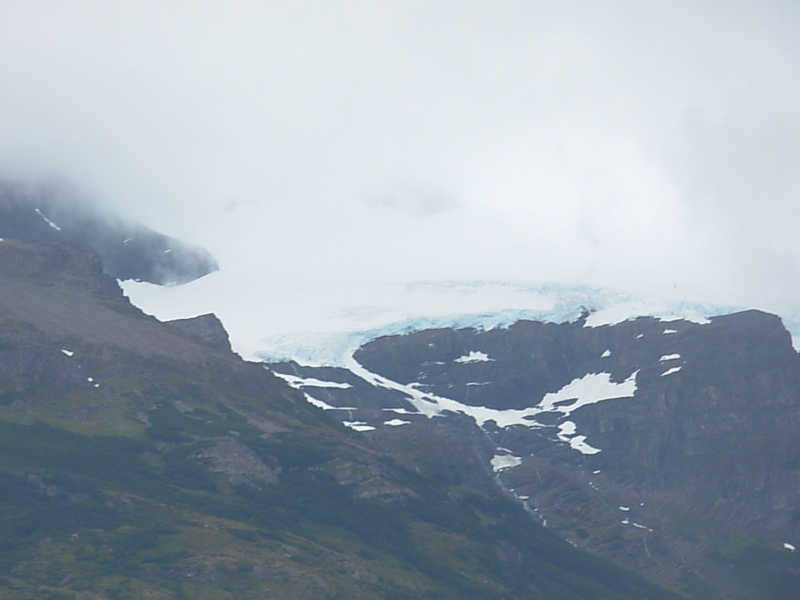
(665, 475)
(207, 328)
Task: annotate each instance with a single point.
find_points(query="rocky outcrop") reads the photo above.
(60, 292)
(237, 462)
(206, 328)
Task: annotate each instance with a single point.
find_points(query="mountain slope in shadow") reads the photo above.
(128, 250)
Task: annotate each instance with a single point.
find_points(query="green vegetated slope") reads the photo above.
(137, 463)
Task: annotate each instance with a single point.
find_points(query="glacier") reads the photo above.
(317, 328)
(550, 303)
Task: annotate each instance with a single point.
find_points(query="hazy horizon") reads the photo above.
(322, 149)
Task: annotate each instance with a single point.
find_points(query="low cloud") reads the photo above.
(234, 204)
(415, 199)
(644, 145)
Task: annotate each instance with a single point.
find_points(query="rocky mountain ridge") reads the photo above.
(127, 250)
(668, 445)
(139, 460)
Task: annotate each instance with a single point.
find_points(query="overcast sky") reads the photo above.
(646, 146)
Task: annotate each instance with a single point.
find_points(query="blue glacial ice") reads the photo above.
(549, 303)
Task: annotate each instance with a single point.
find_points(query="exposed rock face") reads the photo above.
(238, 462)
(127, 250)
(52, 263)
(35, 278)
(67, 333)
(650, 442)
(207, 328)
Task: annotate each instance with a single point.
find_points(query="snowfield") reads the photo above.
(317, 329)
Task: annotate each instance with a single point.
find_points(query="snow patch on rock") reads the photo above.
(501, 462)
(589, 389)
(299, 382)
(473, 357)
(46, 220)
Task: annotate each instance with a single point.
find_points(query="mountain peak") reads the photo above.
(127, 250)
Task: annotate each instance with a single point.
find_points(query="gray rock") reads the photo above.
(207, 328)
